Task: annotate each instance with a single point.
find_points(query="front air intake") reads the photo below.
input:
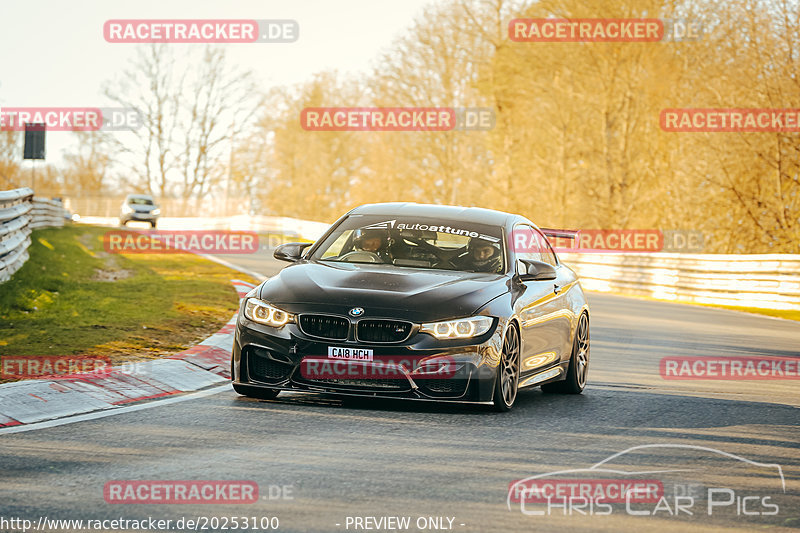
(382, 330)
(325, 326)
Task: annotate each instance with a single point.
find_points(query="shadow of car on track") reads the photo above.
(606, 411)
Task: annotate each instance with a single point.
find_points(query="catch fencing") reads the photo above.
(767, 281)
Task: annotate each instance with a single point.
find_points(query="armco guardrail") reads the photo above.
(20, 213)
(768, 281)
(47, 213)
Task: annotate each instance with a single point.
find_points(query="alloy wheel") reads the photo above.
(509, 367)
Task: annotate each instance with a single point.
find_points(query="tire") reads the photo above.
(123, 223)
(578, 369)
(507, 380)
(152, 224)
(256, 392)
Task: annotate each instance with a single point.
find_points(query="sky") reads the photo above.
(54, 54)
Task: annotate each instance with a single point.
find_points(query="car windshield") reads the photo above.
(140, 201)
(418, 242)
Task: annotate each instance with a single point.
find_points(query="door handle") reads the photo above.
(556, 288)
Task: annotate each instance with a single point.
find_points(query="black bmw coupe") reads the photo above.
(423, 302)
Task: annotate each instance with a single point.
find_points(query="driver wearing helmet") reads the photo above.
(481, 256)
(374, 241)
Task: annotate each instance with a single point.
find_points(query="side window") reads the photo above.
(336, 248)
(548, 255)
(527, 245)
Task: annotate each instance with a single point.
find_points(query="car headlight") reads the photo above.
(127, 209)
(155, 211)
(462, 328)
(263, 313)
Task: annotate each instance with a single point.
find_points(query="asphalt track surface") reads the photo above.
(358, 459)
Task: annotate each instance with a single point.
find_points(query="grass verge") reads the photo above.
(71, 297)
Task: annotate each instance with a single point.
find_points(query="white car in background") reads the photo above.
(139, 208)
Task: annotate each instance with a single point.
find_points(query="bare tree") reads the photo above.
(152, 85)
(218, 105)
(88, 166)
(10, 155)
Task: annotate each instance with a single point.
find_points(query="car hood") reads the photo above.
(383, 291)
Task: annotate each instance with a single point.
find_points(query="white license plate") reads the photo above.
(353, 354)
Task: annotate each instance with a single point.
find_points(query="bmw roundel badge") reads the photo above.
(357, 311)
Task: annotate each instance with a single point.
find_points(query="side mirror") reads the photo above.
(291, 252)
(537, 271)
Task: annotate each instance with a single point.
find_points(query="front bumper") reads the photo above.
(138, 216)
(280, 359)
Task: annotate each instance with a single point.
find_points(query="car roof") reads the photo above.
(477, 215)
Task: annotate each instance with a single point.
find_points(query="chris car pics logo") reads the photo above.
(675, 481)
